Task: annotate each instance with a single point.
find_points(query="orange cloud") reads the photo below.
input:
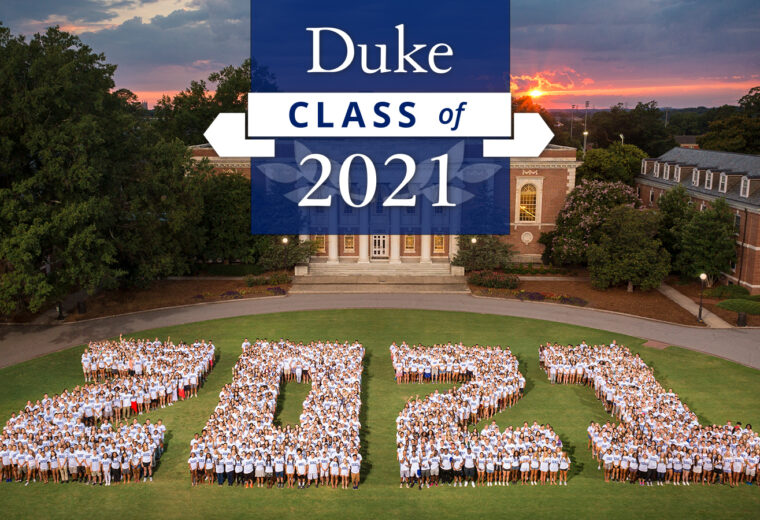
(564, 78)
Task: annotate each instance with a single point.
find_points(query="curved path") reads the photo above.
(23, 342)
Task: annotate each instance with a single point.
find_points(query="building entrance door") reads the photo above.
(379, 246)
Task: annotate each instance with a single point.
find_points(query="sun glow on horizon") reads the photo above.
(536, 93)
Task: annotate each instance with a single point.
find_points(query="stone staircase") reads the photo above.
(377, 277)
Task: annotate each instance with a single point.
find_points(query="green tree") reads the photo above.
(738, 132)
(617, 162)
(675, 214)
(273, 253)
(486, 252)
(226, 216)
(579, 221)
(189, 113)
(708, 244)
(644, 126)
(54, 112)
(90, 195)
(628, 251)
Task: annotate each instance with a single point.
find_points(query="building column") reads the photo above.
(332, 249)
(363, 249)
(395, 257)
(426, 244)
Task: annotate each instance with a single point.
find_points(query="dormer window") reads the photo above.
(677, 174)
(695, 177)
(708, 180)
(723, 183)
(666, 172)
(643, 166)
(656, 169)
(744, 191)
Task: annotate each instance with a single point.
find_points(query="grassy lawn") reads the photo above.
(716, 390)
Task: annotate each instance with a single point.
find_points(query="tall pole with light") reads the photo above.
(285, 242)
(585, 136)
(572, 116)
(622, 139)
(702, 278)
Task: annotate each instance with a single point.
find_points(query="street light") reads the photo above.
(585, 136)
(622, 139)
(285, 256)
(702, 278)
(474, 240)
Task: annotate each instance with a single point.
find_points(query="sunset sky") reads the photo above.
(679, 52)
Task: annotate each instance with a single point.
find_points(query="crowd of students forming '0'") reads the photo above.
(659, 439)
(89, 434)
(434, 444)
(240, 445)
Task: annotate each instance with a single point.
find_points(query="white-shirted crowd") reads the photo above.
(240, 443)
(659, 439)
(85, 434)
(433, 441)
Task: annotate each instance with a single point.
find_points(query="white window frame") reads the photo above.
(702, 206)
(677, 174)
(666, 172)
(695, 177)
(651, 196)
(656, 169)
(538, 182)
(744, 187)
(708, 180)
(723, 183)
(643, 167)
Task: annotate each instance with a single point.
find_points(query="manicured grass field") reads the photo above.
(716, 390)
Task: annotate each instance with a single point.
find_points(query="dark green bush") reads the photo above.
(727, 291)
(494, 280)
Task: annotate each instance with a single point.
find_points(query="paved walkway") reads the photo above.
(711, 320)
(23, 342)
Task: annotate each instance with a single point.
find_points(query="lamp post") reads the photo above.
(474, 240)
(585, 136)
(572, 116)
(622, 139)
(285, 256)
(702, 278)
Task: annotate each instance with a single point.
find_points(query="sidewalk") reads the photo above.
(23, 342)
(710, 319)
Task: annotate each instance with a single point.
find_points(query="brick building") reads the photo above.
(538, 189)
(708, 175)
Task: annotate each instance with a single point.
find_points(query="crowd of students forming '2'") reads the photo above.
(434, 444)
(658, 439)
(85, 434)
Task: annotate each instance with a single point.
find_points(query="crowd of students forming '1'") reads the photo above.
(241, 445)
(85, 434)
(434, 444)
(658, 439)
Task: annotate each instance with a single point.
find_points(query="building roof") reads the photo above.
(717, 162)
(726, 162)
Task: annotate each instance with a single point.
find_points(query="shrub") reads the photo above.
(741, 305)
(277, 291)
(278, 279)
(488, 252)
(727, 291)
(493, 280)
(275, 279)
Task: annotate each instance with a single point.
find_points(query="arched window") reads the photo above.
(528, 203)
